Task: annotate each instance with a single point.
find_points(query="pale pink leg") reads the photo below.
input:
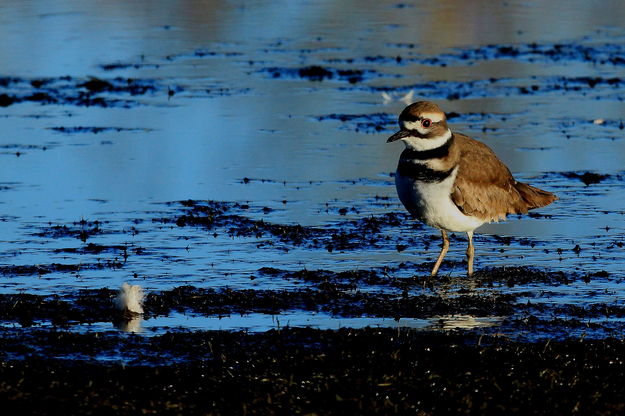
(443, 252)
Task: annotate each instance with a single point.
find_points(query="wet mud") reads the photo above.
(89, 306)
(93, 130)
(43, 269)
(588, 178)
(227, 217)
(81, 230)
(515, 295)
(21, 149)
(377, 232)
(286, 371)
(371, 294)
(608, 54)
(91, 92)
(556, 357)
(319, 73)
(599, 88)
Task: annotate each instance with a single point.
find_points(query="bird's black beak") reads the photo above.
(398, 136)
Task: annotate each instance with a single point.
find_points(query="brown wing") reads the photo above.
(485, 187)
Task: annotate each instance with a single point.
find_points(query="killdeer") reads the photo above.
(453, 182)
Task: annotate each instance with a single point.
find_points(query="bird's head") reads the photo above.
(423, 126)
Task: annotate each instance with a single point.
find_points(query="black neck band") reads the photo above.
(420, 172)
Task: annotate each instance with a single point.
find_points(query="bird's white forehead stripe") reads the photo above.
(414, 125)
(435, 117)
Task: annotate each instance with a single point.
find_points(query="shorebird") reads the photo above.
(453, 182)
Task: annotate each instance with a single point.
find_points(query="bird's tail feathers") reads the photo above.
(534, 197)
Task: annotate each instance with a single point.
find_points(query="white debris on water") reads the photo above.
(130, 298)
(406, 99)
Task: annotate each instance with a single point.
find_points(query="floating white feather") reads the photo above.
(386, 97)
(389, 98)
(408, 98)
(130, 298)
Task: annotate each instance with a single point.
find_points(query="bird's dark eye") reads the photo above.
(426, 122)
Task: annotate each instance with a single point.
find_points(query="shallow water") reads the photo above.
(219, 109)
(261, 322)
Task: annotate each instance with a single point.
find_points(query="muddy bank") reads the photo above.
(527, 313)
(293, 371)
(368, 232)
(94, 130)
(599, 54)
(608, 54)
(104, 242)
(237, 220)
(82, 92)
(90, 306)
(319, 73)
(114, 245)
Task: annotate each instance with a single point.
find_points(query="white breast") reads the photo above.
(431, 203)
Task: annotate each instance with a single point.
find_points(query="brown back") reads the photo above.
(485, 187)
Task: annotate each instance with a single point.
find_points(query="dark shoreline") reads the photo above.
(542, 354)
(309, 371)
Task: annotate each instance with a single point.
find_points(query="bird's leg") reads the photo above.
(443, 252)
(470, 254)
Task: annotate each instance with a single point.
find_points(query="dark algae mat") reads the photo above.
(309, 371)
